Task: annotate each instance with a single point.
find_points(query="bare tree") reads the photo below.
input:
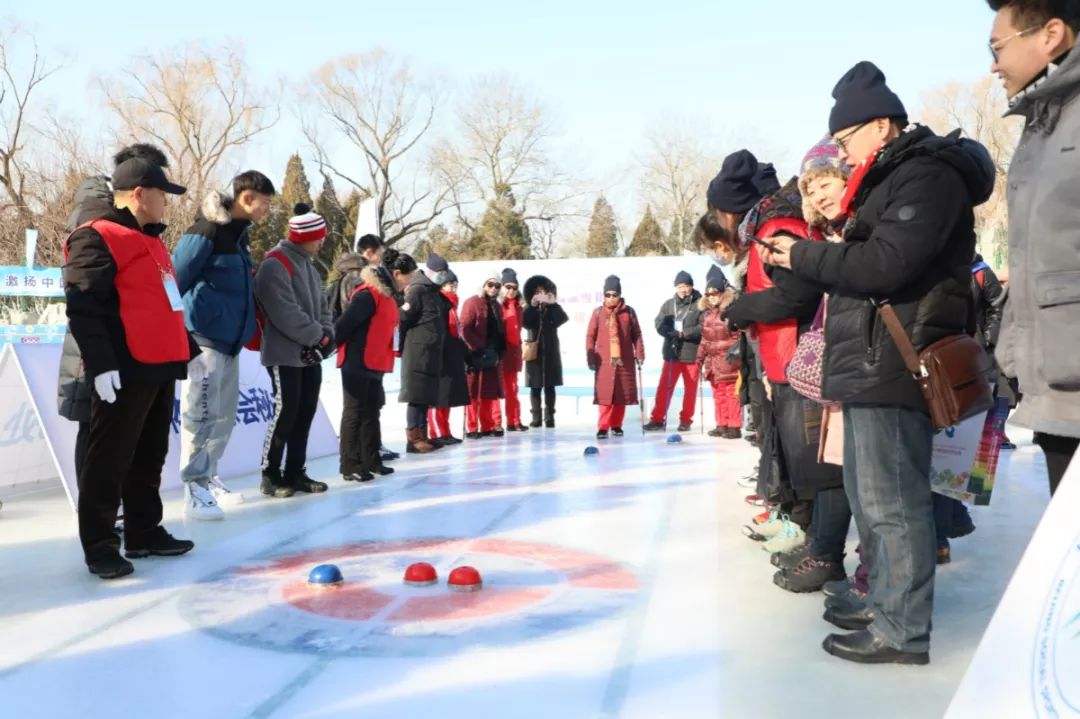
(383, 111)
(199, 105)
(502, 146)
(978, 109)
(674, 175)
(22, 71)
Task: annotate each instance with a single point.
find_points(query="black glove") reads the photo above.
(311, 355)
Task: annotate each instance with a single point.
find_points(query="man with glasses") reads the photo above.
(911, 197)
(1032, 43)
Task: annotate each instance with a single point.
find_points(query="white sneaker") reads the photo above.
(789, 537)
(224, 496)
(199, 503)
(773, 526)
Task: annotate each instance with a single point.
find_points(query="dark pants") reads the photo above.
(1059, 452)
(416, 416)
(81, 439)
(949, 515)
(361, 432)
(125, 450)
(296, 399)
(785, 439)
(887, 480)
(548, 399)
(830, 524)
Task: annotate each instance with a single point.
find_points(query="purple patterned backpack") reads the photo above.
(805, 370)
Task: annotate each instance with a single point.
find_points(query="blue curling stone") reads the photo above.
(325, 574)
(590, 451)
(674, 439)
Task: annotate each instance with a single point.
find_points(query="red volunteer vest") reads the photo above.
(777, 341)
(154, 331)
(379, 349)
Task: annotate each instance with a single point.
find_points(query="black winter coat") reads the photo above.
(680, 346)
(423, 330)
(542, 323)
(911, 243)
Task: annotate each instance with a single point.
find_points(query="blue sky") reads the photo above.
(748, 72)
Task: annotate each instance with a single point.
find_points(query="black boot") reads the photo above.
(534, 403)
(273, 485)
(301, 482)
(549, 416)
(864, 648)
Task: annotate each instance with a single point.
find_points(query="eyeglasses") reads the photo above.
(842, 142)
(510, 287)
(995, 47)
(493, 285)
(611, 294)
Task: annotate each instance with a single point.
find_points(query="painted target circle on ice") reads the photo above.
(530, 590)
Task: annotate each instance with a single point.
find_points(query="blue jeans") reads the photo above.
(887, 480)
(829, 526)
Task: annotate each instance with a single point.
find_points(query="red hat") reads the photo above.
(306, 226)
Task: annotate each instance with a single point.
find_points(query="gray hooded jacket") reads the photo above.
(1040, 336)
(297, 315)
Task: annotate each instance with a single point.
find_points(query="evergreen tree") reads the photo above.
(295, 188)
(351, 208)
(337, 221)
(502, 234)
(648, 237)
(603, 235)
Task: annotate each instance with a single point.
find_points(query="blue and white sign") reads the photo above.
(18, 281)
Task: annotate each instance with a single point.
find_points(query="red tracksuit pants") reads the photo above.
(611, 415)
(669, 377)
(726, 401)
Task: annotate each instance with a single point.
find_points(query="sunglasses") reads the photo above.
(611, 294)
(493, 285)
(842, 142)
(510, 287)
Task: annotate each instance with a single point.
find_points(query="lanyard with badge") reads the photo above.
(679, 319)
(168, 279)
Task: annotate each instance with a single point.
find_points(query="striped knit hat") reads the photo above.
(306, 226)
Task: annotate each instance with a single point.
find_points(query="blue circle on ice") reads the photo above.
(589, 451)
(325, 574)
(674, 439)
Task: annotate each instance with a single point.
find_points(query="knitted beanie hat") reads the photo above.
(305, 225)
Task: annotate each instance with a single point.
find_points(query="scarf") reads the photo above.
(614, 346)
(855, 181)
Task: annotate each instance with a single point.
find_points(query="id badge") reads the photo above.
(173, 293)
(397, 340)
(678, 325)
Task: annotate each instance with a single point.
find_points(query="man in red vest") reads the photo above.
(125, 313)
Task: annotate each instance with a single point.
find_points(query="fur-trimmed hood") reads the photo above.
(371, 277)
(217, 207)
(534, 283)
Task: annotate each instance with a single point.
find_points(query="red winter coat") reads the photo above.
(475, 315)
(777, 340)
(512, 314)
(614, 385)
(716, 341)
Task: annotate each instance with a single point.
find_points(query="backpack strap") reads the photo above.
(282, 258)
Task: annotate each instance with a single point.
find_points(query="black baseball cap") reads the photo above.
(136, 172)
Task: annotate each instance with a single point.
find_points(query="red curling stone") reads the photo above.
(421, 574)
(465, 579)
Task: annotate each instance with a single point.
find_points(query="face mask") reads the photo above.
(438, 278)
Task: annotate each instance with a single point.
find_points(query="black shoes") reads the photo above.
(617, 431)
(517, 428)
(110, 566)
(853, 619)
(864, 648)
(536, 423)
(602, 434)
(157, 543)
(497, 432)
(472, 435)
(809, 575)
(272, 485)
(300, 482)
(718, 432)
(358, 477)
(384, 471)
(791, 558)
(732, 433)
(655, 427)
(549, 423)
(684, 427)
(450, 440)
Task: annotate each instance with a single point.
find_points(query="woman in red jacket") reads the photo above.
(612, 346)
(513, 307)
(718, 367)
(485, 337)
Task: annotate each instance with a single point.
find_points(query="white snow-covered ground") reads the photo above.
(618, 585)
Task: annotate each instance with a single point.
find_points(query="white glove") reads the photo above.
(197, 369)
(106, 384)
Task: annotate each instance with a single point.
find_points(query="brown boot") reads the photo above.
(417, 442)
